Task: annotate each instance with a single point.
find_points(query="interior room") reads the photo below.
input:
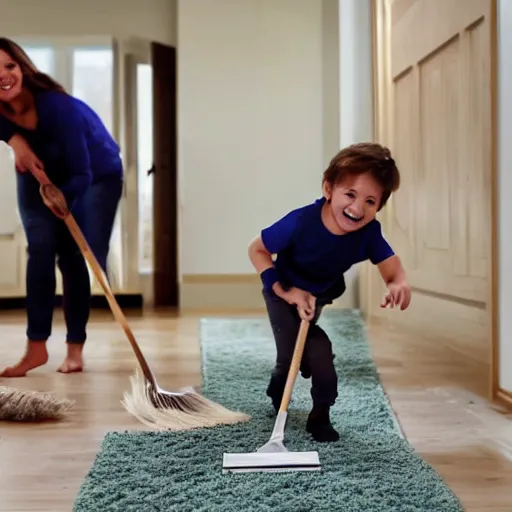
(223, 117)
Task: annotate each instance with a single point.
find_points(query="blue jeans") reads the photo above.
(48, 239)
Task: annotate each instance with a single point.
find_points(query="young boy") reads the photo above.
(315, 245)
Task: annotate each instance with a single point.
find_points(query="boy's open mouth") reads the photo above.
(353, 218)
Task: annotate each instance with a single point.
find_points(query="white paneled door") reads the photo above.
(434, 110)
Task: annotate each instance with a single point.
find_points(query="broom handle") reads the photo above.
(86, 251)
(114, 306)
(295, 365)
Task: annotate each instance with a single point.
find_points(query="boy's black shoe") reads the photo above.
(319, 425)
(305, 370)
(276, 402)
(276, 396)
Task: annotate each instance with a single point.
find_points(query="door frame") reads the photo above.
(382, 122)
(166, 282)
(130, 52)
(371, 287)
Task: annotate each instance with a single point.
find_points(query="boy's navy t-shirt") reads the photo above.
(312, 258)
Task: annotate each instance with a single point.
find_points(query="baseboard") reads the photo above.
(237, 292)
(125, 301)
(504, 397)
(234, 292)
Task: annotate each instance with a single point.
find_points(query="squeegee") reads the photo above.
(274, 456)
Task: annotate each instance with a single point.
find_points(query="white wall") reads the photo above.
(257, 120)
(356, 86)
(261, 110)
(356, 71)
(152, 19)
(504, 186)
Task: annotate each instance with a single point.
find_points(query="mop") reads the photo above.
(22, 405)
(148, 402)
(274, 456)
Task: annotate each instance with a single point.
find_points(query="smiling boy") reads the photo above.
(314, 246)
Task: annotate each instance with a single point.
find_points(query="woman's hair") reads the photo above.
(33, 79)
(365, 157)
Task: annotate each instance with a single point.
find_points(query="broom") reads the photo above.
(21, 405)
(148, 402)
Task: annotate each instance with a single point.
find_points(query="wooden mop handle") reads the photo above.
(295, 365)
(114, 306)
(86, 251)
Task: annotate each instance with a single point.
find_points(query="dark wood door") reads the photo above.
(165, 190)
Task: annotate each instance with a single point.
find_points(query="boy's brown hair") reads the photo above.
(361, 158)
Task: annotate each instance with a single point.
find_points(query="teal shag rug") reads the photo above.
(371, 469)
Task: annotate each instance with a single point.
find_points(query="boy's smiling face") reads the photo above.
(354, 202)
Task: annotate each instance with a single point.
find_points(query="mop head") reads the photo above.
(191, 411)
(273, 456)
(279, 461)
(21, 405)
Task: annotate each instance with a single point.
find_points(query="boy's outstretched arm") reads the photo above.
(393, 274)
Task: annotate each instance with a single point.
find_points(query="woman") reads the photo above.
(49, 129)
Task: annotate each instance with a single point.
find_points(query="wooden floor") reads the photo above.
(432, 391)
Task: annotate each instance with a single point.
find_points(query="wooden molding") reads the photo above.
(221, 292)
(241, 292)
(494, 262)
(126, 300)
(201, 279)
(504, 397)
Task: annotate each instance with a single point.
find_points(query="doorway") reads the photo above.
(151, 116)
(165, 177)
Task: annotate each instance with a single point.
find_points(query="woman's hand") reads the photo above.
(25, 158)
(54, 200)
(305, 302)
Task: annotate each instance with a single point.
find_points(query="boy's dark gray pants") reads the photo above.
(318, 358)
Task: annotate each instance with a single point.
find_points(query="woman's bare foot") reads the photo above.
(35, 355)
(73, 362)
